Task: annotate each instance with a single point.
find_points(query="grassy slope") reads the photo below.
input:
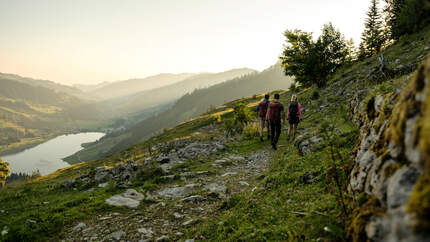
(286, 208)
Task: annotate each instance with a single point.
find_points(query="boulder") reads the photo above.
(130, 199)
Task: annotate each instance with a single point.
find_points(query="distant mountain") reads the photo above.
(44, 83)
(188, 106)
(138, 102)
(128, 87)
(89, 87)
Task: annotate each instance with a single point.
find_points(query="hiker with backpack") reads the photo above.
(294, 116)
(262, 113)
(276, 116)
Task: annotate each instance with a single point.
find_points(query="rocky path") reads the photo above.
(189, 197)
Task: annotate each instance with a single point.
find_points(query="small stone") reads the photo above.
(195, 198)
(229, 174)
(163, 238)
(203, 173)
(189, 240)
(102, 185)
(117, 235)
(213, 187)
(179, 234)
(243, 183)
(189, 222)
(80, 226)
(178, 215)
(119, 200)
(427, 48)
(146, 232)
(163, 160)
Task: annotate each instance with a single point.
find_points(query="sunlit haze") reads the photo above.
(88, 42)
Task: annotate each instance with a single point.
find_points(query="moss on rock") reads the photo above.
(419, 201)
(361, 216)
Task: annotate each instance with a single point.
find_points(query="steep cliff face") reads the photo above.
(392, 163)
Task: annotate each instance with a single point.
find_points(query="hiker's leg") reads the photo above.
(278, 131)
(268, 129)
(261, 126)
(295, 131)
(289, 131)
(272, 130)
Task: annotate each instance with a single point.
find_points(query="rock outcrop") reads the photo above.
(392, 163)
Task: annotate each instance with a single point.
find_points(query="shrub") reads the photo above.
(241, 114)
(250, 130)
(315, 95)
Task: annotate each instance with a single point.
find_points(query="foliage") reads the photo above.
(373, 37)
(315, 94)
(312, 61)
(406, 16)
(241, 114)
(251, 130)
(293, 87)
(4, 171)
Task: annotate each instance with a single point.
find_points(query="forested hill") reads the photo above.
(124, 88)
(142, 101)
(188, 106)
(43, 83)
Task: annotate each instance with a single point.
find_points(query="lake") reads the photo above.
(47, 157)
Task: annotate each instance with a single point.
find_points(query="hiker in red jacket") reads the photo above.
(276, 116)
(294, 116)
(262, 113)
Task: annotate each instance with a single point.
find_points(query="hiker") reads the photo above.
(262, 113)
(294, 116)
(276, 116)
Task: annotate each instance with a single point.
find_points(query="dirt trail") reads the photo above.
(168, 212)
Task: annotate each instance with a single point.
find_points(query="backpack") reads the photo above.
(262, 111)
(293, 109)
(275, 111)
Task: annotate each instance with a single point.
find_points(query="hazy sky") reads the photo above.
(90, 41)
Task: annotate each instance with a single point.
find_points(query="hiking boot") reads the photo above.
(261, 139)
(274, 147)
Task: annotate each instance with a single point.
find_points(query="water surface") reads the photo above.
(47, 157)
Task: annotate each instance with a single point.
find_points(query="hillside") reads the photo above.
(358, 171)
(30, 114)
(44, 83)
(188, 106)
(131, 86)
(131, 105)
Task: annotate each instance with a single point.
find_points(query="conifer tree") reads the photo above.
(373, 35)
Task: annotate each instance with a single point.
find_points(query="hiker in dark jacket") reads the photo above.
(262, 113)
(294, 116)
(276, 116)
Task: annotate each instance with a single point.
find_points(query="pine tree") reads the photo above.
(373, 35)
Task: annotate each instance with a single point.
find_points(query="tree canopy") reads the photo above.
(310, 61)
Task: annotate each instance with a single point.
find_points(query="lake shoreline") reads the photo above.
(39, 140)
(46, 155)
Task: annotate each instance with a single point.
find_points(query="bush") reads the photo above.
(241, 114)
(315, 95)
(251, 130)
